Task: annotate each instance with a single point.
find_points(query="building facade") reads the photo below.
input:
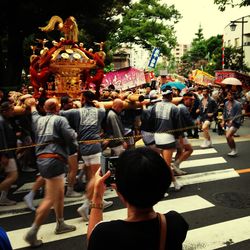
(240, 37)
(179, 51)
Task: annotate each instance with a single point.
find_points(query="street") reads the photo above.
(215, 201)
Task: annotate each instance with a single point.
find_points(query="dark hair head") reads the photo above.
(188, 95)
(65, 99)
(142, 177)
(89, 96)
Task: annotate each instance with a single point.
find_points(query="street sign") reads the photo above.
(154, 58)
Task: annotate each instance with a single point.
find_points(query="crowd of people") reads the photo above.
(52, 135)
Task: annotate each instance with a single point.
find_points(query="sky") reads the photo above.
(204, 13)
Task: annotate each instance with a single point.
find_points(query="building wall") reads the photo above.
(134, 57)
(234, 38)
(179, 51)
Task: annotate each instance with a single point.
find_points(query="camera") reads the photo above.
(109, 163)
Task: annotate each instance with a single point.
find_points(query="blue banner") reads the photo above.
(154, 58)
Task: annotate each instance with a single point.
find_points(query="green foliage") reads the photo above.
(223, 3)
(233, 57)
(149, 24)
(203, 54)
(199, 36)
(20, 21)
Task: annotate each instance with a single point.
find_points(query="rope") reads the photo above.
(112, 139)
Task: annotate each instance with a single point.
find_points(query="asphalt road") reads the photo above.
(215, 201)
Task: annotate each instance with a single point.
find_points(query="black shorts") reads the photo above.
(51, 167)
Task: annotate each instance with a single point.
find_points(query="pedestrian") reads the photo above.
(208, 110)
(8, 143)
(232, 114)
(141, 180)
(184, 147)
(87, 123)
(55, 140)
(147, 125)
(67, 104)
(167, 128)
(114, 129)
(194, 112)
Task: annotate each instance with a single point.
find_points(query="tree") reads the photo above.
(214, 48)
(20, 20)
(223, 3)
(233, 59)
(149, 24)
(199, 36)
(195, 57)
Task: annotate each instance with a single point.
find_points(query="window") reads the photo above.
(236, 42)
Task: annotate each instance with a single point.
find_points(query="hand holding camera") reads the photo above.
(96, 186)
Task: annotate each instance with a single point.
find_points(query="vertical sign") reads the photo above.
(154, 58)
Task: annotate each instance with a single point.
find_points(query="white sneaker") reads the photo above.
(232, 153)
(29, 202)
(84, 211)
(177, 186)
(62, 228)
(206, 144)
(107, 204)
(177, 171)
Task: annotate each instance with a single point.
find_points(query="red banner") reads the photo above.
(124, 79)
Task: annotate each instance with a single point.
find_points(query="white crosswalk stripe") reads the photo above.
(46, 232)
(206, 237)
(218, 235)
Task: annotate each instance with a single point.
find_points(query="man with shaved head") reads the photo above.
(55, 140)
(115, 129)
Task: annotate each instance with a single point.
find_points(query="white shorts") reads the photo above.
(165, 140)
(92, 159)
(11, 167)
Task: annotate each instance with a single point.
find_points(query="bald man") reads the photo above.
(115, 129)
(55, 140)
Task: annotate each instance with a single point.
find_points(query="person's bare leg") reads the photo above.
(188, 150)
(28, 198)
(167, 156)
(73, 168)
(205, 128)
(41, 214)
(8, 181)
(46, 204)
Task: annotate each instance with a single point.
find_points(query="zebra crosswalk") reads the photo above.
(205, 167)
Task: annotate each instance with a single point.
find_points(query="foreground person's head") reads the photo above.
(142, 177)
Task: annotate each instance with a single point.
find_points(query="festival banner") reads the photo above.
(202, 78)
(154, 58)
(124, 79)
